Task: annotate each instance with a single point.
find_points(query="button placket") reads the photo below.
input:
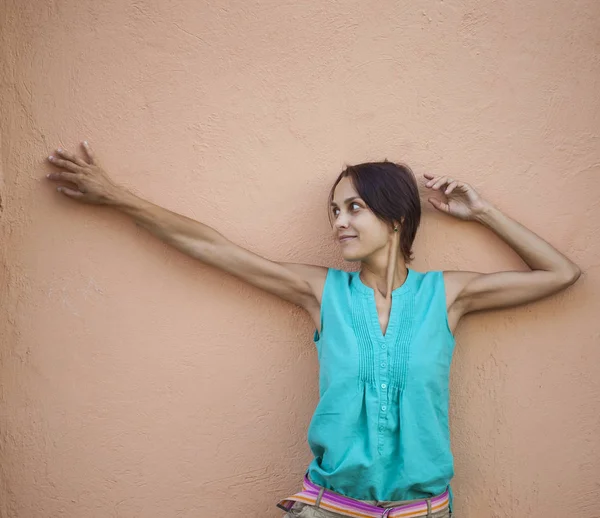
(382, 389)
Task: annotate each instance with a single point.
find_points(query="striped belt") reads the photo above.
(318, 496)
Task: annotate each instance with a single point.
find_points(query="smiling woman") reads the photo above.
(379, 434)
(386, 191)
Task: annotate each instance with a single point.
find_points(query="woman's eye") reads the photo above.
(355, 206)
(335, 211)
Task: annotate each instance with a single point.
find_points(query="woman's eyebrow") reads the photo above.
(347, 200)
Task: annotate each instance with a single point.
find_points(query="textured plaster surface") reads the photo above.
(135, 382)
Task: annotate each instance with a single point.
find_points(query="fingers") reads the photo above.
(432, 179)
(439, 205)
(75, 173)
(435, 183)
(438, 182)
(74, 191)
(89, 152)
(453, 185)
(63, 176)
(72, 162)
(442, 182)
(71, 157)
(65, 164)
(70, 192)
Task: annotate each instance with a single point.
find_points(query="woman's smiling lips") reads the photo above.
(345, 238)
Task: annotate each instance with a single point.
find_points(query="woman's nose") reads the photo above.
(341, 222)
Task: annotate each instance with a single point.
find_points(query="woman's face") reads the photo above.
(355, 227)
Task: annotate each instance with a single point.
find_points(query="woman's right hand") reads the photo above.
(301, 284)
(86, 181)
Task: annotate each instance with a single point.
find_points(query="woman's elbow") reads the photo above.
(569, 275)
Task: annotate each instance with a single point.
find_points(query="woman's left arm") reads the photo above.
(551, 271)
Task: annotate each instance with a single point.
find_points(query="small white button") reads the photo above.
(383, 364)
(383, 346)
(383, 386)
(384, 408)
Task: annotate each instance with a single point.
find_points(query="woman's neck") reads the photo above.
(386, 271)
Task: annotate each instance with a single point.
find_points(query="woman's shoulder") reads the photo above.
(339, 277)
(338, 282)
(427, 279)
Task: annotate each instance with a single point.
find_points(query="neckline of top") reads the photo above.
(362, 287)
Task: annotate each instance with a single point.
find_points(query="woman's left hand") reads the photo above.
(462, 201)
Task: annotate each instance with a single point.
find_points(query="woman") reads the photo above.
(384, 334)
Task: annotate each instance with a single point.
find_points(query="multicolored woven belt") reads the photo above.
(313, 494)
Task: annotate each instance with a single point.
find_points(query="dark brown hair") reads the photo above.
(390, 191)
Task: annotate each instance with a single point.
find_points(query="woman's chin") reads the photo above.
(351, 257)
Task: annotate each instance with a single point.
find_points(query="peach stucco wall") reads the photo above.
(137, 383)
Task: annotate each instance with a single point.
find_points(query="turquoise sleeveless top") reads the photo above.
(380, 430)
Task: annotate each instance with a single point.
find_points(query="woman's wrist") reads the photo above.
(485, 214)
(120, 198)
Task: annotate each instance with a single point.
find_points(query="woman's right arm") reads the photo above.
(300, 284)
(295, 283)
